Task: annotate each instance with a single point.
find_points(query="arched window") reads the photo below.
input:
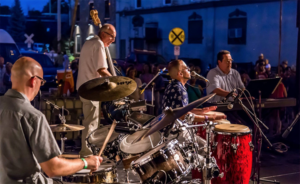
(195, 28)
(237, 27)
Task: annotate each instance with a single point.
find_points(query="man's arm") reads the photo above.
(63, 167)
(104, 72)
(221, 92)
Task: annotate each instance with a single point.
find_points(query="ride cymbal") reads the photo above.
(107, 88)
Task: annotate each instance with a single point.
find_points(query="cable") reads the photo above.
(165, 175)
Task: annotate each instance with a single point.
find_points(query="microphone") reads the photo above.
(236, 99)
(162, 70)
(228, 96)
(66, 112)
(193, 73)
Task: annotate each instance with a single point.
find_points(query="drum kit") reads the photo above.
(162, 149)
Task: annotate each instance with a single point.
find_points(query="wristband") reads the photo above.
(206, 118)
(85, 163)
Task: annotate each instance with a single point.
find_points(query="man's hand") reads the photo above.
(94, 162)
(204, 110)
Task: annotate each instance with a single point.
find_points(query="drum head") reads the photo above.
(144, 145)
(232, 128)
(222, 121)
(97, 137)
(106, 165)
(215, 112)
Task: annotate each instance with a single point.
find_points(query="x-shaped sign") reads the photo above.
(29, 38)
(177, 36)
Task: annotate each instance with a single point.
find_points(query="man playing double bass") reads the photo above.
(93, 65)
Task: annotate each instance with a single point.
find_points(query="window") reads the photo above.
(78, 13)
(166, 2)
(107, 5)
(237, 27)
(138, 4)
(91, 3)
(195, 28)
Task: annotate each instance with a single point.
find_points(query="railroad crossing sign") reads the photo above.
(177, 36)
(29, 40)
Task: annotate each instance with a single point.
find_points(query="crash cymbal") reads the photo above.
(66, 128)
(170, 115)
(107, 88)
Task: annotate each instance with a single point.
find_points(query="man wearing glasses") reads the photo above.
(93, 64)
(27, 143)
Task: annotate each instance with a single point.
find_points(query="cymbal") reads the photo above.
(107, 88)
(170, 115)
(66, 128)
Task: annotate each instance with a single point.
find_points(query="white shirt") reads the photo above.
(227, 82)
(2, 87)
(92, 58)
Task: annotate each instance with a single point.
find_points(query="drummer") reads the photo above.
(176, 95)
(27, 143)
(93, 65)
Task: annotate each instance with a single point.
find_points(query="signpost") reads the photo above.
(176, 37)
(29, 40)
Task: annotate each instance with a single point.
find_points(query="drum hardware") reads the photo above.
(170, 115)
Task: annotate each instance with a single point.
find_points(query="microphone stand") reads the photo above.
(152, 88)
(257, 139)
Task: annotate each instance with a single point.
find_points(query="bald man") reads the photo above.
(27, 143)
(93, 65)
(176, 96)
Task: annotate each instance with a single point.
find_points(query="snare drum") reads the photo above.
(233, 153)
(96, 139)
(166, 160)
(106, 173)
(131, 152)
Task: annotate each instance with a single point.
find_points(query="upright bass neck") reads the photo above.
(97, 22)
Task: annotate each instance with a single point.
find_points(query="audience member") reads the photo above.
(193, 89)
(59, 60)
(261, 58)
(6, 77)
(282, 67)
(261, 71)
(131, 73)
(2, 72)
(245, 77)
(66, 63)
(159, 90)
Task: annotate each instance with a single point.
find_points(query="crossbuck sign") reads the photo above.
(29, 40)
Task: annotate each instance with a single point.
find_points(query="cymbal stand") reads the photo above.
(62, 134)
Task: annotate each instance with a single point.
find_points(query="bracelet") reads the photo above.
(206, 118)
(85, 163)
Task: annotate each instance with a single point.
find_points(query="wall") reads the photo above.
(262, 31)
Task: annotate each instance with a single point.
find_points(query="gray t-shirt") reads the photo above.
(223, 81)
(25, 141)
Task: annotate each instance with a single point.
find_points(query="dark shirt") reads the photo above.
(175, 95)
(26, 140)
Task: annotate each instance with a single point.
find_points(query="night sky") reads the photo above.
(26, 4)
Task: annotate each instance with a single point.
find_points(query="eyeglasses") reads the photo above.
(43, 81)
(111, 35)
(186, 68)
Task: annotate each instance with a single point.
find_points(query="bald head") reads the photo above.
(26, 77)
(25, 68)
(107, 34)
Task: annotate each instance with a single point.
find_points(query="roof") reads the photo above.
(5, 37)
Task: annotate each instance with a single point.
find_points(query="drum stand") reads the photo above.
(210, 168)
(257, 139)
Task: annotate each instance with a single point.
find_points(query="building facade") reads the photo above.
(84, 26)
(246, 28)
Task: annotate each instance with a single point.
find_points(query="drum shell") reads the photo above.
(236, 166)
(169, 158)
(108, 176)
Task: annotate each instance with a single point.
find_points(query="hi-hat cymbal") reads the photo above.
(169, 116)
(107, 88)
(66, 128)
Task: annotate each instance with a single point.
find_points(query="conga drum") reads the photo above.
(233, 153)
(69, 80)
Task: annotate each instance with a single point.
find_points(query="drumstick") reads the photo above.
(112, 128)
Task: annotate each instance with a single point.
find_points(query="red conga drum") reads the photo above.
(233, 153)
